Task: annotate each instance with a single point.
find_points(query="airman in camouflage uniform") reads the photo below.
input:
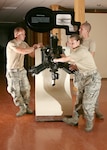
(88, 42)
(88, 81)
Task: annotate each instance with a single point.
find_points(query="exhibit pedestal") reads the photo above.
(51, 102)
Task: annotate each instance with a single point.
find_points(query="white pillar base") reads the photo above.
(51, 102)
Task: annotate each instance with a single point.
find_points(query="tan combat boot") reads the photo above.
(73, 120)
(22, 111)
(28, 110)
(89, 126)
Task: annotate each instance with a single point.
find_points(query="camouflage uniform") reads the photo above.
(18, 86)
(88, 81)
(89, 85)
(17, 81)
(91, 45)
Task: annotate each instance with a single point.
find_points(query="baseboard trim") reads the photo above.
(48, 118)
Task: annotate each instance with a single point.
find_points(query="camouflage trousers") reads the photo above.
(89, 85)
(18, 86)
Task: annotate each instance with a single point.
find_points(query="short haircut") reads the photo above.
(17, 30)
(77, 37)
(87, 25)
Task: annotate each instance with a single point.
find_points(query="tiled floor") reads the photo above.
(24, 133)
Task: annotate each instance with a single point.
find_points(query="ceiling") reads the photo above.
(12, 11)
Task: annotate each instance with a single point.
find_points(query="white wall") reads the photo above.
(99, 34)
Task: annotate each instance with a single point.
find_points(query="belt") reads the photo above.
(88, 73)
(15, 70)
